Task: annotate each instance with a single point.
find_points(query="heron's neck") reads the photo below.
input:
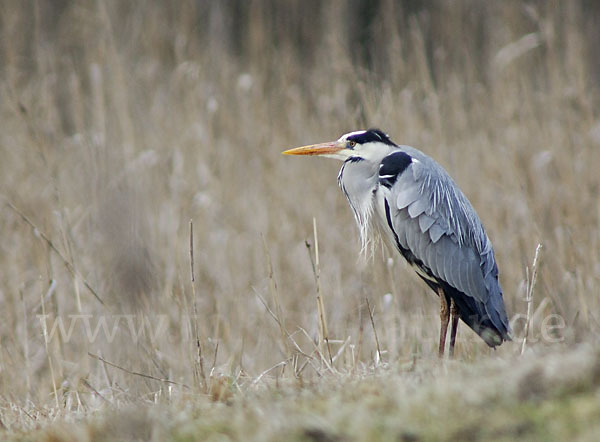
(358, 180)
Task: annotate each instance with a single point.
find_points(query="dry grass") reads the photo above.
(541, 396)
(123, 121)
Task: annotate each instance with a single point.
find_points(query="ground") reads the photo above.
(538, 396)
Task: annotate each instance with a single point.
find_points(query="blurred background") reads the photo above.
(123, 121)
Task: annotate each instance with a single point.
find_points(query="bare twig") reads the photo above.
(70, 267)
(374, 329)
(529, 299)
(136, 373)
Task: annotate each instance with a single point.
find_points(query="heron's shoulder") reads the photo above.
(427, 191)
(428, 164)
(409, 167)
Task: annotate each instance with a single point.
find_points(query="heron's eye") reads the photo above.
(351, 144)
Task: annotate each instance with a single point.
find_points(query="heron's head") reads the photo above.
(371, 145)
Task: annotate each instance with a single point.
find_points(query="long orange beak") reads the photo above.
(316, 149)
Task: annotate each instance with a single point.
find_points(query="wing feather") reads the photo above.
(406, 196)
(417, 169)
(446, 270)
(412, 237)
(430, 256)
(463, 268)
(419, 206)
(436, 232)
(425, 222)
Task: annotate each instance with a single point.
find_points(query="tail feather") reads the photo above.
(492, 330)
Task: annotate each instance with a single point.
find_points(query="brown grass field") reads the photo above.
(123, 122)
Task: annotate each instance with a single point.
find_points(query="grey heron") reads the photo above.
(421, 212)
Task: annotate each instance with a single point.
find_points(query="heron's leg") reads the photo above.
(444, 319)
(454, 328)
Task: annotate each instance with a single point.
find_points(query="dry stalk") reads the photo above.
(214, 364)
(89, 386)
(360, 339)
(529, 299)
(137, 373)
(323, 331)
(69, 265)
(107, 378)
(51, 365)
(276, 319)
(260, 376)
(199, 374)
(26, 344)
(318, 351)
(342, 348)
(275, 297)
(374, 330)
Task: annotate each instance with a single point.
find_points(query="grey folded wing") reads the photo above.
(433, 219)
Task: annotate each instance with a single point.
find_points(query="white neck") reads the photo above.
(358, 180)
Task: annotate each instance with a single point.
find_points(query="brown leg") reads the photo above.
(454, 328)
(444, 319)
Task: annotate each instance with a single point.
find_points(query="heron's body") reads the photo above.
(422, 213)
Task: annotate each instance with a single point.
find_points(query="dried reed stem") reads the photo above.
(199, 373)
(137, 373)
(374, 329)
(323, 331)
(275, 296)
(48, 241)
(276, 319)
(51, 365)
(529, 299)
